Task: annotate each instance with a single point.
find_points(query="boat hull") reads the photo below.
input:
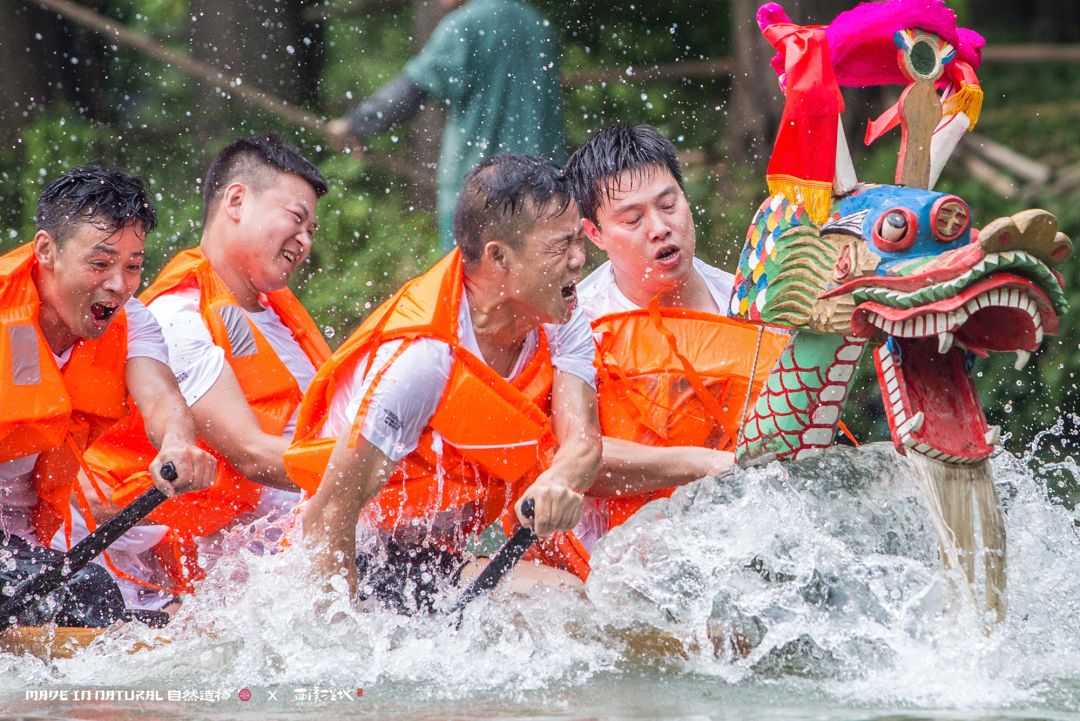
(47, 642)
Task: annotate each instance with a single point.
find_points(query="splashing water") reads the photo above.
(829, 566)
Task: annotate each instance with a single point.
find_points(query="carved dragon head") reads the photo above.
(904, 267)
(898, 264)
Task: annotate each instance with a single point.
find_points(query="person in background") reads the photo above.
(494, 64)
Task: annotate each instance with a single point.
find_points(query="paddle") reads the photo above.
(501, 563)
(86, 550)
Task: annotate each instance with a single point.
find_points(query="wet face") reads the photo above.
(86, 279)
(645, 226)
(276, 225)
(543, 273)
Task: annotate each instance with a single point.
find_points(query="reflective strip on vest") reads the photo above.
(241, 339)
(25, 356)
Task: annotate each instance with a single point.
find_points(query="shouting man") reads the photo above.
(73, 348)
(467, 392)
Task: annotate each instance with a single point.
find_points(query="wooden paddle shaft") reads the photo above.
(86, 550)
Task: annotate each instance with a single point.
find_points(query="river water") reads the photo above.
(831, 562)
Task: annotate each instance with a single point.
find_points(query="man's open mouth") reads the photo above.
(569, 294)
(290, 256)
(667, 254)
(1006, 303)
(103, 312)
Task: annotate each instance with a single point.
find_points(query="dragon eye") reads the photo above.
(949, 218)
(896, 230)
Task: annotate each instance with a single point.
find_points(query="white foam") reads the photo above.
(836, 556)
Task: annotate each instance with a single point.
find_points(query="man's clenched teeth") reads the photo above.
(103, 311)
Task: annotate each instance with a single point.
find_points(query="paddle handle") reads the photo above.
(502, 562)
(83, 552)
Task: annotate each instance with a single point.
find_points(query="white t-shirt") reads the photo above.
(198, 362)
(599, 296)
(17, 495)
(410, 390)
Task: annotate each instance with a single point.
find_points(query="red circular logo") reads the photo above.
(245, 694)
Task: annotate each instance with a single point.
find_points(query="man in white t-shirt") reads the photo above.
(73, 346)
(241, 346)
(469, 391)
(670, 400)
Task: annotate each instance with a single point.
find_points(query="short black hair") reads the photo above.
(503, 197)
(107, 199)
(247, 159)
(611, 152)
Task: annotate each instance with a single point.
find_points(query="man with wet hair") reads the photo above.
(73, 346)
(467, 392)
(241, 345)
(494, 64)
(673, 371)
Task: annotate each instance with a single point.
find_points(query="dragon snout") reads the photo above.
(1032, 231)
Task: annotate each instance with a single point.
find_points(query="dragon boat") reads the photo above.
(48, 642)
(845, 264)
(901, 268)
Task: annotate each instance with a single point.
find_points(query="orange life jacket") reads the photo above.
(495, 434)
(677, 377)
(270, 389)
(669, 377)
(47, 410)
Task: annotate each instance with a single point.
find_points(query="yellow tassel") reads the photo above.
(968, 100)
(814, 196)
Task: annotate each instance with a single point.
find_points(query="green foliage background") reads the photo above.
(373, 236)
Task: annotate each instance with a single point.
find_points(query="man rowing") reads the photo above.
(468, 392)
(73, 347)
(673, 372)
(242, 347)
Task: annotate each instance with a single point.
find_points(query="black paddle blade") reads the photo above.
(86, 550)
(501, 563)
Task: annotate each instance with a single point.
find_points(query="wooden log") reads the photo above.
(52, 642)
(328, 11)
(1016, 163)
(1067, 179)
(1031, 53)
(688, 70)
(989, 175)
(206, 73)
(718, 67)
(47, 642)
